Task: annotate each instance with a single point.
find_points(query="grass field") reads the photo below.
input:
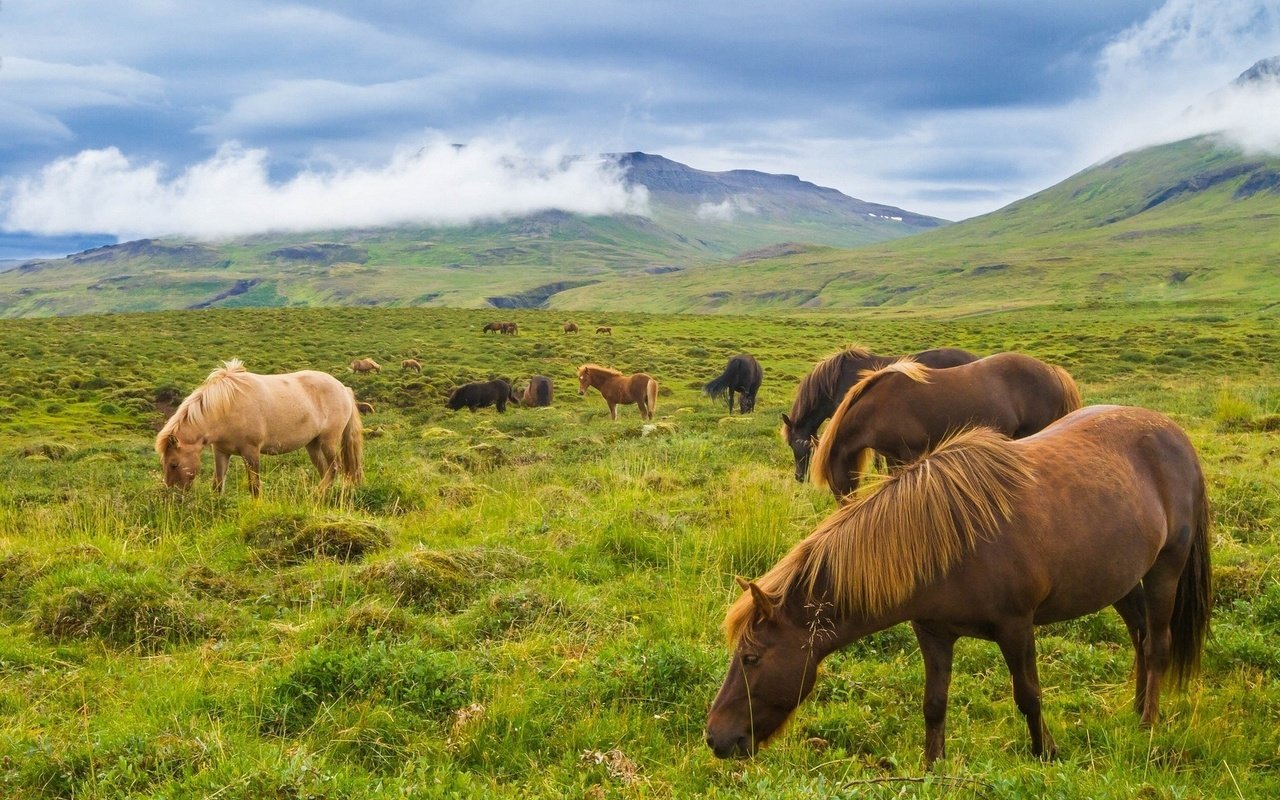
(528, 604)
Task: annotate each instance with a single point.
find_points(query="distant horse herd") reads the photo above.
(1006, 505)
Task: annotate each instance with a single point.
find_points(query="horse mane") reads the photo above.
(597, 368)
(819, 464)
(903, 533)
(210, 400)
(823, 380)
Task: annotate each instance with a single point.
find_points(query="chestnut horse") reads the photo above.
(605, 329)
(987, 537)
(538, 393)
(821, 390)
(492, 326)
(618, 389)
(365, 365)
(411, 364)
(902, 410)
(239, 413)
(571, 327)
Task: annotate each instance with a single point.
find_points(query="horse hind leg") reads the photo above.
(1018, 646)
(1133, 610)
(1159, 586)
(324, 454)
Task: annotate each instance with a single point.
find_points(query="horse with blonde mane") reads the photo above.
(902, 410)
(987, 537)
(237, 412)
(821, 390)
(618, 389)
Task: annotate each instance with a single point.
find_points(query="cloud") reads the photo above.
(232, 194)
(726, 210)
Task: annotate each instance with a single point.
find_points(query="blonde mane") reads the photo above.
(819, 464)
(903, 533)
(823, 380)
(209, 401)
(597, 368)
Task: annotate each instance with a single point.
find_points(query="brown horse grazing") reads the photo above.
(821, 390)
(618, 389)
(537, 393)
(605, 329)
(987, 537)
(492, 326)
(571, 327)
(902, 410)
(365, 365)
(239, 413)
(509, 328)
(411, 364)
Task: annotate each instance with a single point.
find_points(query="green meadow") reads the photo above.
(528, 604)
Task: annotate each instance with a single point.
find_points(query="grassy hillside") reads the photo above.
(527, 605)
(1192, 220)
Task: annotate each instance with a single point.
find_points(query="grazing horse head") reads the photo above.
(801, 443)
(180, 461)
(773, 669)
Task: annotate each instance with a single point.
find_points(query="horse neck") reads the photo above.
(830, 630)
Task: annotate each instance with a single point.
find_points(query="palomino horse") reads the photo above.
(618, 389)
(411, 364)
(821, 390)
(571, 327)
(365, 365)
(902, 410)
(239, 413)
(987, 537)
(742, 375)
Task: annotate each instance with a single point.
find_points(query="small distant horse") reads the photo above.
(571, 327)
(492, 326)
(411, 364)
(902, 410)
(987, 537)
(363, 407)
(483, 393)
(618, 389)
(510, 328)
(365, 365)
(822, 389)
(237, 412)
(605, 329)
(742, 375)
(537, 393)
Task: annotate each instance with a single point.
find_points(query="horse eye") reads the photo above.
(751, 660)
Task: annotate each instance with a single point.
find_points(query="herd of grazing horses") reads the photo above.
(1006, 505)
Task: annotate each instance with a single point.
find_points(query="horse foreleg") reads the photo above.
(1018, 646)
(1133, 610)
(730, 394)
(937, 650)
(220, 462)
(252, 458)
(613, 410)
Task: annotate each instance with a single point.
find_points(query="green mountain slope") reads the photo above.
(1191, 220)
(698, 218)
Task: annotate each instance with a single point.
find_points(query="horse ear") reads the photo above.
(764, 606)
(171, 442)
(786, 420)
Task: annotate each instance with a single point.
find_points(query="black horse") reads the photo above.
(486, 393)
(741, 375)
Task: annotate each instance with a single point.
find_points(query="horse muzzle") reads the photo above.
(728, 746)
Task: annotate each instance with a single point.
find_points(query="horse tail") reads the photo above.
(651, 393)
(1193, 602)
(353, 445)
(1070, 392)
(718, 386)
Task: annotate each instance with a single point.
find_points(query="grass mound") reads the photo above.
(291, 536)
(436, 579)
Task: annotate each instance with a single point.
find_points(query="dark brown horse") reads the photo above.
(618, 389)
(605, 329)
(987, 537)
(822, 389)
(902, 410)
(483, 393)
(537, 393)
(742, 375)
(509, 328)
(492, 326)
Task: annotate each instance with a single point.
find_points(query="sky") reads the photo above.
(214, 118)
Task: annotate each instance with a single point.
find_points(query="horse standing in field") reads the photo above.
(822, 389)
(538, 393)
(483, 393)
(742, 375)
(237, 412)
(411, 364)
(570, 327)
(618, 389)
(987, 537)
(492, 326)
(606, 329)
(509, 328)
(365, 365)
(904, 409)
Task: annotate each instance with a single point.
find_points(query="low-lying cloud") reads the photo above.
(233, 194)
